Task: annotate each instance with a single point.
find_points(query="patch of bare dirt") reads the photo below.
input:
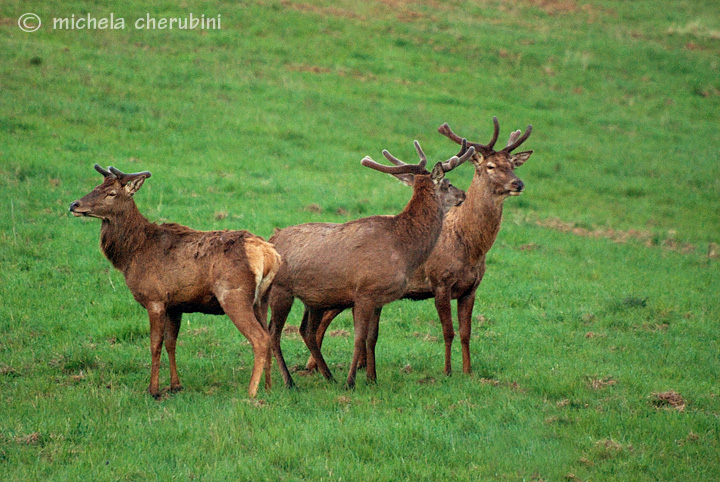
(554, 7)
(713, 251)
(490, 381)
(34, 438)
(425, 336)
(314, 208)
(691, 438)
(339, 333)
(483, 320)
(670, 399)
(647, 238)
(331, 11)
(315, 69)
(609, 448)
(661, 327)
(566, 7)
(198, 331)
(291, 331)
(8, 371)
(255, 402)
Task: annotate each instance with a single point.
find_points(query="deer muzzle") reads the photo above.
(516, 187)
(74, 209)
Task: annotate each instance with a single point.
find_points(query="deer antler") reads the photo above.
(447, 132)
(403, 168)
(487, 149)
(102, 171)
(496, 132)
(465, 154)
(513, 137)
(122, 176)
(516, 144)
(398, 162)
(397, 169)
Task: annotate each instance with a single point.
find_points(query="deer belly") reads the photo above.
(208, 305)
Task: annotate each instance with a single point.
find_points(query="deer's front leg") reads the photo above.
(158, 318)
(172, 328)
(444, 310)
(464, 308)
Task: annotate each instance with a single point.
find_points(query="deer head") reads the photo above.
(497, 166)
(448, 194)
(112, 196)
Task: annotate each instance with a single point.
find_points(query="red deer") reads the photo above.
(362, 264)
(456, 266)
(172, 269)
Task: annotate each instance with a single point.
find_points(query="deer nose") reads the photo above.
(74, 205)
(518, 185)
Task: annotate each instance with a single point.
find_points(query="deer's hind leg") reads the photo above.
(238, 305)
(308, 330)
(280, 302)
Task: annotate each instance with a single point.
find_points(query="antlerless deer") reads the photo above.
(456, 266)
(172, 269)
(363, 264)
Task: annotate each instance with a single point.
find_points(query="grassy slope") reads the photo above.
(246, 127)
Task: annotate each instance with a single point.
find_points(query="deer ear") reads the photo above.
(133, 184)
(437, 173)
(477, 158)
(520, 158)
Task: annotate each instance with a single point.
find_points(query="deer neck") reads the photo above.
(478, 219)
(418, 226)
(123, 235)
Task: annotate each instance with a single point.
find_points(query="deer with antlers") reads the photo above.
(362, 264)
(456, 266)
(172, 269)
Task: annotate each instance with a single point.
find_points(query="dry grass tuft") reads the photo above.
(600, 383)
(669, 399)
(339, 333)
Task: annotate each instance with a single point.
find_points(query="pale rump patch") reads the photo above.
(264, 262)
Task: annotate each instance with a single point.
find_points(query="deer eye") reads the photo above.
(112, 193)
(490, 166)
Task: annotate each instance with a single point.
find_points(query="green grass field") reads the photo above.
(600, 293)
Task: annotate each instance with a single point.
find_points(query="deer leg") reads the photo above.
(362, 316)
(172, 328)
(260, 310)
(327, 318)
(464, 308)
(239, 307)
(362, 361)
(371, 342)
(158, 318)
(308, 330)
(444, 310)
(280, 304)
